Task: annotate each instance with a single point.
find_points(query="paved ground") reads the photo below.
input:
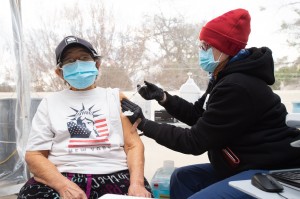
(9, 197)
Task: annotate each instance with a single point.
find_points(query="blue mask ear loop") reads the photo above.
(220, 57)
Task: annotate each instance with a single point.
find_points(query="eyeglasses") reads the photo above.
(204, 46)
(72, 60)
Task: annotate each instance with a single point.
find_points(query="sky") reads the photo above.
(266, 15)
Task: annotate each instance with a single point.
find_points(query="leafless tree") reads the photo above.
(162, 49)
(177, 42)
(96, 27)
(7, 75)
(293, 28)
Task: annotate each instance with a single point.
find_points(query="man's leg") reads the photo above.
(33, 190)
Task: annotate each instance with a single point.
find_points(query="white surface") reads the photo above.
(293, 120)
(247, 187)
(296, 143)
(114, 196)
(189, 90)
(155, 155)
(9, 190)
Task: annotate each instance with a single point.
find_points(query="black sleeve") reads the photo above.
(183, 140)
(230, 112)
(183, 110)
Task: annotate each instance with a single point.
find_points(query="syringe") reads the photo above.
(138, 88)
(129, 112)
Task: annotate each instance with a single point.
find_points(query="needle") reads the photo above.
(138, 88)
(129, 112)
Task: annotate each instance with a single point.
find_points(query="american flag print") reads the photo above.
(88, 129)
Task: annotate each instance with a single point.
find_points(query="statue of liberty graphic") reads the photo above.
(82, 124)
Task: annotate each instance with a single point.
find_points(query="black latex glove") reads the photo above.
(137, 113)
(151, 91)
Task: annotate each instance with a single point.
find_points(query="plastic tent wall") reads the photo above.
(15, 113)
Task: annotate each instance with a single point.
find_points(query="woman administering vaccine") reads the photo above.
(239, 121)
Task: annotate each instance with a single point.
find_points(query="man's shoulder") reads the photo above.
(54, 96)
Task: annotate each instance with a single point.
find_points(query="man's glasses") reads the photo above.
(204, 46)
(72, 60)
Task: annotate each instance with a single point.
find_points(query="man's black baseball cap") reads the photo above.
(73, 41)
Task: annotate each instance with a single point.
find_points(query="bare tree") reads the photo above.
(177, 42)
(161, 49)
(288, 73)
(97, 27)
(7, 74)
(293, 28)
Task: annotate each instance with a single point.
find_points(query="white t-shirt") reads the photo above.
(82, 130)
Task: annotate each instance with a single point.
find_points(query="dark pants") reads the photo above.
(201, 181)
(93, 185)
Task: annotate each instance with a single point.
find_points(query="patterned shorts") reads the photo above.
(93, 185)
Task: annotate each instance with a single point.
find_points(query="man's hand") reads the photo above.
(69, 191)
(151, 91)
(139, 191)
(72, 191)
(137, 113)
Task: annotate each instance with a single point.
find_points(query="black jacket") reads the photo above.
(242, 113)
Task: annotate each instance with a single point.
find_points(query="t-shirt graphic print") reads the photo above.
(87, 128)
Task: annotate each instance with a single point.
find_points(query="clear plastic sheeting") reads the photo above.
(15, 113)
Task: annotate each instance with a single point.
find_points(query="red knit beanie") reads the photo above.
(228, 32)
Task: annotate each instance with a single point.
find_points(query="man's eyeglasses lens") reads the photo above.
(72, 60)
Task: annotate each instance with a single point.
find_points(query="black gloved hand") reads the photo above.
(137, 113)
(151, 91)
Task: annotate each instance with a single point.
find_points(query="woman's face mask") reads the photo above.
(207, 61)
(80, 74)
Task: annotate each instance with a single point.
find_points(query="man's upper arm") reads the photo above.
(36, 154)
(131, 136)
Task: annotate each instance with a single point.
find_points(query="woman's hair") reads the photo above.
(221, 66)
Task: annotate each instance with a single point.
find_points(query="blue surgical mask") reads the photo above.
(207, 61)
(80, 74)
